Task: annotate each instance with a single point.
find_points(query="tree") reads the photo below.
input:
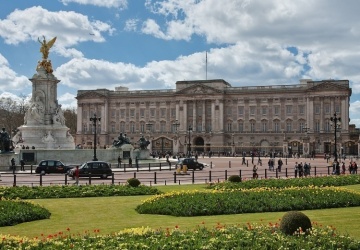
(12, 113)
(71, 119)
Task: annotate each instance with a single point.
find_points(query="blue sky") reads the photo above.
(149, 44)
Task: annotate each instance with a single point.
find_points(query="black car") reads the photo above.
(52, 166)
(191, 163)
(94, 168)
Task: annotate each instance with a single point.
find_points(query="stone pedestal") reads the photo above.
(44, 122)
(142, 154)
(5, 159)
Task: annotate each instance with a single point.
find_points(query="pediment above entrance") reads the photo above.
(199, 89)
(328, 86)
(90, 94)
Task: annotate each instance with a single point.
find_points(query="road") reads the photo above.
(217, 169)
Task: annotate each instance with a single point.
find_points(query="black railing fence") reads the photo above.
(163, 174)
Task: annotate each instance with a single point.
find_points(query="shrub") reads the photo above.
(234, 178)
(15, 211)
(133, 182)
(292, 221)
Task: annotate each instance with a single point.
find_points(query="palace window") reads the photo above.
(122, 126)
(252, 110)
(276, 110)
(241, 111)
(288, 126)
(327, 108)
(241, 127)
(264, 110)
(264, 126)
(301, 109)
(229, 126)
(277, 126)
(132, 112)
(163, 127)
(288, 109)
(252, 127)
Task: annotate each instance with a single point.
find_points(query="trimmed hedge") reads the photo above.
(199, 203)
(57, 191)
(323, 181)
(15, 211)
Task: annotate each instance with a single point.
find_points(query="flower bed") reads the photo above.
(15, 211)
(198, 203)
(332, 180)
(248, 236)
(57, 191)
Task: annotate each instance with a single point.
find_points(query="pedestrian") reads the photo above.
(13, 166)
(296, 169)
(137, 162)
(77, 175)
(130, 162)
(343, 168)
(280, 163)
(255, 174)
(22, 164)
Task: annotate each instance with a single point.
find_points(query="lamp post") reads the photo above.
(306, 141)
(94, 119)
(176, 124)
(189, 145)
(335, 120)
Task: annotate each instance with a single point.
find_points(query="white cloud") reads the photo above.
(9, 79)
(71, 28)
(240, 64)
(67, 100)
(122, 4)
(131, 24)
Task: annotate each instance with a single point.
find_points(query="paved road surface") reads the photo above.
(217, 169)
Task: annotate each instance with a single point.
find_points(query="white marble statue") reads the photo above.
(58, 117)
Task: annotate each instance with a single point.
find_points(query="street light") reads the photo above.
(189, 145)
(94, 119)
(335, 120)
(176, 124)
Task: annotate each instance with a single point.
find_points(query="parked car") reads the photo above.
(95, 168)
(191, 163)
(51, 166)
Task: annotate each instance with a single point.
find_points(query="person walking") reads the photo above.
(22, 165)
(77, 175)
(130, 162)
(13, 166)
(255, 174)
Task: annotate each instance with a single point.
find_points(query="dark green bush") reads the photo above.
(133, 182)
(234, 178)
(15, 212)
(73, 191)
(292, 221)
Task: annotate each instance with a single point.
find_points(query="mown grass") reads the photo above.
(111, 214)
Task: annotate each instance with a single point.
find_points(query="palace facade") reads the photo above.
(211, 115)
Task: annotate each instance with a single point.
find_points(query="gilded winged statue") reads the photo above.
(45, 47)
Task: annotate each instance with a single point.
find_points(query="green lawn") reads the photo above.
(111, 214)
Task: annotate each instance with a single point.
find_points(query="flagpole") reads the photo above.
(206, 67)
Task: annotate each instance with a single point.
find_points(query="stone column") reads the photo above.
(213, 117)
(184, 123)
(203, 116)
(221, 115)
(194, 117)
(344, 114)
(79, 119)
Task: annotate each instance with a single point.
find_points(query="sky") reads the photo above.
(150, 44)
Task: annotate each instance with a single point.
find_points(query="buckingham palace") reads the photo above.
(212, 115)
